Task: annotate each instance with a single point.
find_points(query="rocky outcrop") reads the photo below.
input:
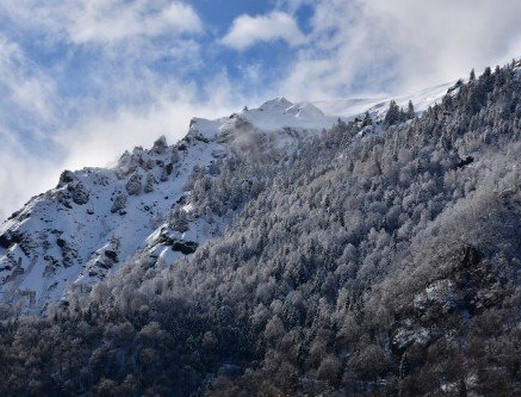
(119, 203)
(184, 247)
(80, 195)
(133, 185)
(444, 305)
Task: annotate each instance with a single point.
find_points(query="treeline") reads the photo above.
(364, 262)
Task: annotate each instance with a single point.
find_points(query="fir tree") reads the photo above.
(410, 111)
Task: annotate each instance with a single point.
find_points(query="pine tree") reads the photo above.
(410, 110)
(367, 120)
(393, 115)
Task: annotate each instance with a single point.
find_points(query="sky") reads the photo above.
(84, 80)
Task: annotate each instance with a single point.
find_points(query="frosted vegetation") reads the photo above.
(382, 256)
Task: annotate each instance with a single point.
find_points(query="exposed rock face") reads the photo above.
(10, 238)
(80, 195)
(160, 145)
(149, 183)
(119, 203)
(133, 185)
(69, 254)
(446, 303)
(65, 178)
(184, 247)
(4, 242)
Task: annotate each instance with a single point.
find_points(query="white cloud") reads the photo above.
(247, 31)
(104, 21)
(447, 38)
(401, 45)
(114, 20)
(22, 175)
(23, 84)
(27, 108)
(104, 138)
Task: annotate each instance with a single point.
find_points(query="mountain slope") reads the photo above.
(365, 260)
(96, 218)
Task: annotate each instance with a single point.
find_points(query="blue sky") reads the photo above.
(83, 80)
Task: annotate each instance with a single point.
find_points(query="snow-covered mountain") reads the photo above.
(378, 105)
(70, 237)
(380, 256)
(96, 218)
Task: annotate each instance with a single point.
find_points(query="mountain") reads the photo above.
(95, 219)
(296, 254)
(378, 105)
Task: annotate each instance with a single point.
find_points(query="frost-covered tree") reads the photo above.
(178, 220)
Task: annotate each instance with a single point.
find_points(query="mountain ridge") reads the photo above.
(87, 224)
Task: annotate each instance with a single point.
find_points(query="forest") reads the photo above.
(382, 257)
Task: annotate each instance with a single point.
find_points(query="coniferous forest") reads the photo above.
(382, 257)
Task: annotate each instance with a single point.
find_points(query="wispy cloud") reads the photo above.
(114, 20)
(22, 175)
(401, 45)
(247, 30)
(28, 108)
(24, 85)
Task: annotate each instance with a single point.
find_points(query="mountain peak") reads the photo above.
(160, 145)
(276, 104)
(305, 111)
